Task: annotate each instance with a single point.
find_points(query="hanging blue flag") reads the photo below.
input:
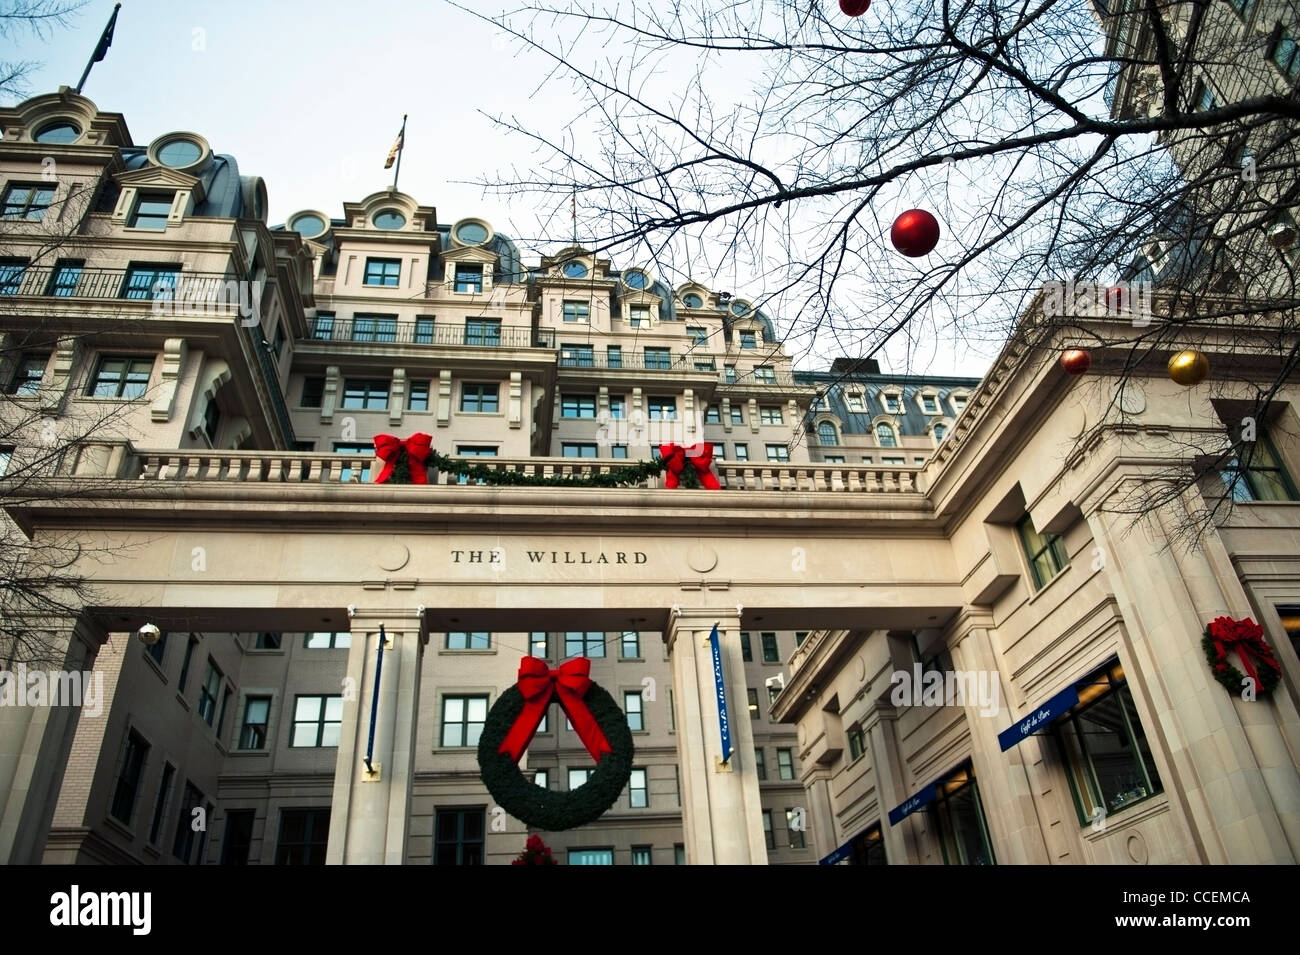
(723, 722)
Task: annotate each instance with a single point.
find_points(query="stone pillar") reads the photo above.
(1003, 779)
(34, 745)
(821, 814)
(370, 811)
(1232, 776)
(722, 818)
(878, 723)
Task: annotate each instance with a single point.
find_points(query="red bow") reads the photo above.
(700, 456)
(569, 682)
(1247, 638)
(418, 447)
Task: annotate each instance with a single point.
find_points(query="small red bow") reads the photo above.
(700, 456)
(569, 682)
(1246, 637)
(418, 447)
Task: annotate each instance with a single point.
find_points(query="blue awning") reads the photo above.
(919, 801)
(1040, 717)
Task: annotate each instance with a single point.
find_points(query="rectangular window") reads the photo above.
(374, 328)
(322, 326)
(185, 665)
(778, 452)
(537, 645)
(541, 778)
(591, 857)
(729, 374)
(578, 777)
(475, 451)
(28, 375)
(751, 694)
(417, 396)
(1205, 98)
(699, 336)
(1285, 54)
(458, 836)
(469, 278)
(304, 835)
(160, 803)
(641, 855)
(128, 777)
(772, 693)
(769, 414)
(963, 833)
(833, 458)
(365, 394)
(383, 272)
(27, 201)
(768, 835)
(1105, 748)
(854, 402)
(479, 398)
(765, 374)
(257, 714)
(719, 451)
(746, 651)
(890, 459)
(266, 641)
(462, 719)
(577, 312)
(469, 640)
(638, 316)
(11, 275)
(742, 451)
(662, 409)
(785, 763)
(577, 356)
(1262, 477)
(771, 654)
(208, 692)
(221, 713)
(184, 839)
(577, 449)
(66, 277)
(929, 404)
(584, 643)
(632, 707)
(212, 421)
(637, 792)
(856, 745)
(794, 826)
(712, 415)
(578, 406)
(631, 645)
(316, 720)
(617, 408)
(121, 377)
(658, 358)
(152, 210)
(1046, 552)
(322, 640)
(679, 854)
(423, 331)
(237, 838)
(747, 340)
(481, 331)
(614, 356)
(705, 364)
(760, 761)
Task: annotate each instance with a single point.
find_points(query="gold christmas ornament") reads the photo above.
(1281, 235)
(1189, 367)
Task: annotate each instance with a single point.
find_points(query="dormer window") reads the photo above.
(386, 272)
(574, 270)
(958, 403)
(152, 210)
(892, 401)
(579, 312)
(638, 316)
(748, 340)
(469, 278)
(60, 132)
(691, 300)
(930, 404)
(853, 400)
(940, 432)
(388, 219)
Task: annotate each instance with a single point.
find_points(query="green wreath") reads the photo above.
(1231, 678)
(542, 808)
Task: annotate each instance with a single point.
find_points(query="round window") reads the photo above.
(636, 279)
(472, 233)
(739, 308)
(575, 270)
(179, 153)
(308, 226)
(58, 132)
(389, 219)
(691, 300)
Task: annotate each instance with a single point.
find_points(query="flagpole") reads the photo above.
(401, 137)
(101, 47)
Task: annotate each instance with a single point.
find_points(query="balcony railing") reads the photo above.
(383, 331)
(283, 467)
(144, 284)
(673, 364)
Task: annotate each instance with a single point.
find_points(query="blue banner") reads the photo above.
(1038, 719)
(919, 801)
(723, 723)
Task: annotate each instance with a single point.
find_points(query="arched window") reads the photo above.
(885, 436)
(826, 434)
(940, 432)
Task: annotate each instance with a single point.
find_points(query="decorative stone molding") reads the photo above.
(397, 396)
(329, 395)
(173, 363)
(66, 355)
(444, 398)
(515, 408)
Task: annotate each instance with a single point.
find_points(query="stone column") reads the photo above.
(1233, 777)
(371, 810)
(722, 818)
(878, 723)
(821, 814)
(34, 745)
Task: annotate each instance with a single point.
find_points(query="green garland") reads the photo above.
(543, 808)
(631, 474)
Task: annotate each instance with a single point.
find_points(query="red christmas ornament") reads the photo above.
(915, 233)
(854, 8)
(1075, 361)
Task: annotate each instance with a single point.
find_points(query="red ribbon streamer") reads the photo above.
(699, 455)
(418, 447)
(1246, 637)
(569, 682)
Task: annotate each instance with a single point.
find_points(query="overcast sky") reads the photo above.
(310, 97)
